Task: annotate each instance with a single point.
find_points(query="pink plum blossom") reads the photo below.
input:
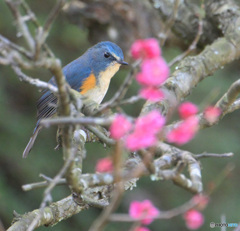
(212, 113)
(137, 141)
(145, 131)
(184, 131)
(152, 94)
(120, 126)
(187, 109)
(141, 228)
(153, 72)
(144, 210)
(145, 49)
(150, 123)
(194, 219)
(104, 165)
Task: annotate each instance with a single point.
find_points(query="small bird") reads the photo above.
(90, 75)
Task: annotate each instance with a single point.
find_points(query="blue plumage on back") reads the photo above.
(76, 72)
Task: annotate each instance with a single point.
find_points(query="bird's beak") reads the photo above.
(122, 62)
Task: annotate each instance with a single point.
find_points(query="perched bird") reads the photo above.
(90, 75)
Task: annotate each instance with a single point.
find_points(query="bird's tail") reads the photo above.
(31, 141)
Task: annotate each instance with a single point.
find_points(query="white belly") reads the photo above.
(97, 93)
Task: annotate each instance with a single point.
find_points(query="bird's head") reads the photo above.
(105, 56)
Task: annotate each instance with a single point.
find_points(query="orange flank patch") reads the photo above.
(89, 83)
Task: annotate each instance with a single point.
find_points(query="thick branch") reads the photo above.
(227, 104)
(194, 69)
(186, 20)
(229, 97)
(52, 214)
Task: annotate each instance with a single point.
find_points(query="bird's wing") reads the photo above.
(46, 105)
(75, 72)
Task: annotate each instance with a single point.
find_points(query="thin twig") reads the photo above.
(4, 61)
(35, 82)
(205, 155)
(53, 14)
(194, 43)
(234, 106)
(15, 47)
(14, 7)
(100, 223)
(168, 25)
(131, 100)
(220, 178)
(227, 104)
(37, 25)
(30, 13)
(147, 159)
(77, 120)
(44, 32)
(28, 187)
(100, 135)
(229, 97)
(163, 214)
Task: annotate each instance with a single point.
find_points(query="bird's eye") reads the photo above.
(106, 55)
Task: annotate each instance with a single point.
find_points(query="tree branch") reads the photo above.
(21, 22)
(52, 214)
(35, 82)
(194, 69)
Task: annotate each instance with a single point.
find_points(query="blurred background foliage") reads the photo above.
(18, 117)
